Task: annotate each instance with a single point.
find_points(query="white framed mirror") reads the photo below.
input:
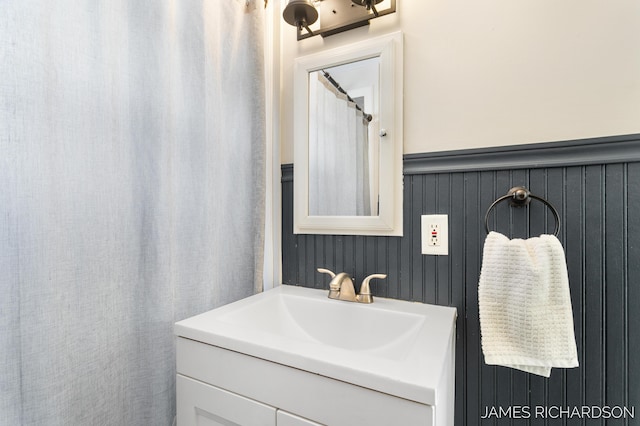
(348, 139)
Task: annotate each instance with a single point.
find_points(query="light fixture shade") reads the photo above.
(300, 13)
(366, 3)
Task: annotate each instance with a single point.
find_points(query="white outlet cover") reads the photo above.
(442, 221)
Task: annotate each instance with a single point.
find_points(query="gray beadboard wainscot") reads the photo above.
(594, 184)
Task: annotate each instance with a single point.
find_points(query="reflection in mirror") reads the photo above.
(343, 139)
(348, 139)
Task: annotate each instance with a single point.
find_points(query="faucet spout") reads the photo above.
(334, 285)
(344, 283)
(341, 285)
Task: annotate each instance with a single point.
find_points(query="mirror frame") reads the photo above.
(389, 48)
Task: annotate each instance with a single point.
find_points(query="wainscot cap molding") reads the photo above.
(600, 150)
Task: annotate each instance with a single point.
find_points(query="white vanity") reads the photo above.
(291, 356)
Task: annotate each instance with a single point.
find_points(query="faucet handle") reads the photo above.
(332, 284)
(365, 291)
(326, 271)
(334, 288)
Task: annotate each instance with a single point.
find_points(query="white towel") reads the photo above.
(526, 320)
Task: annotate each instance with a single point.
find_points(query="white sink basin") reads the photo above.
(366, 328)
(392, 346)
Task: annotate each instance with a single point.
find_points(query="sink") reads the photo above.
(369, 329)
(396, 347)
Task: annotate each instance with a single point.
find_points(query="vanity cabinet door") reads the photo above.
(288, 419)
(205, 405)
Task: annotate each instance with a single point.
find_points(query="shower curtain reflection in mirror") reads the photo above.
(343, 153)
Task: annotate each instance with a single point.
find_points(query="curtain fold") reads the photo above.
(131, 196)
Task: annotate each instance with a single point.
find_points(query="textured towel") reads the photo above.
(526, 318)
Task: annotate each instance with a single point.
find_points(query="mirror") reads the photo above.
(348, 139)
(343, 118)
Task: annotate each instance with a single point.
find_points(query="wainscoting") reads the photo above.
(595, 186)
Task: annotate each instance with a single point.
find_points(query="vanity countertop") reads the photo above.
(396, 347)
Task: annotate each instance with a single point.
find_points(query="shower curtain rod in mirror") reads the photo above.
(367, 117)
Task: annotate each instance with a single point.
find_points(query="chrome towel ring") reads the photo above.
(519, 196)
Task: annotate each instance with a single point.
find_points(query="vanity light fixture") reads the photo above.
(335, 16)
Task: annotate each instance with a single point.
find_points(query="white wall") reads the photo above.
(501, 72)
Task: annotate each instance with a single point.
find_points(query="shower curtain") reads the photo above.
(131, 196)
(339, 174)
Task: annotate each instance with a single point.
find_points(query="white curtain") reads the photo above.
(339, 172)
(131, 196)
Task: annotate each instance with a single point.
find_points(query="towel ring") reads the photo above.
(520, 196)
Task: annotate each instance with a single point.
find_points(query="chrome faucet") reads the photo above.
(341, 287)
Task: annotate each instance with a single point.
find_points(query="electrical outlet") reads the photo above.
(434, 234)
(435, 238)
